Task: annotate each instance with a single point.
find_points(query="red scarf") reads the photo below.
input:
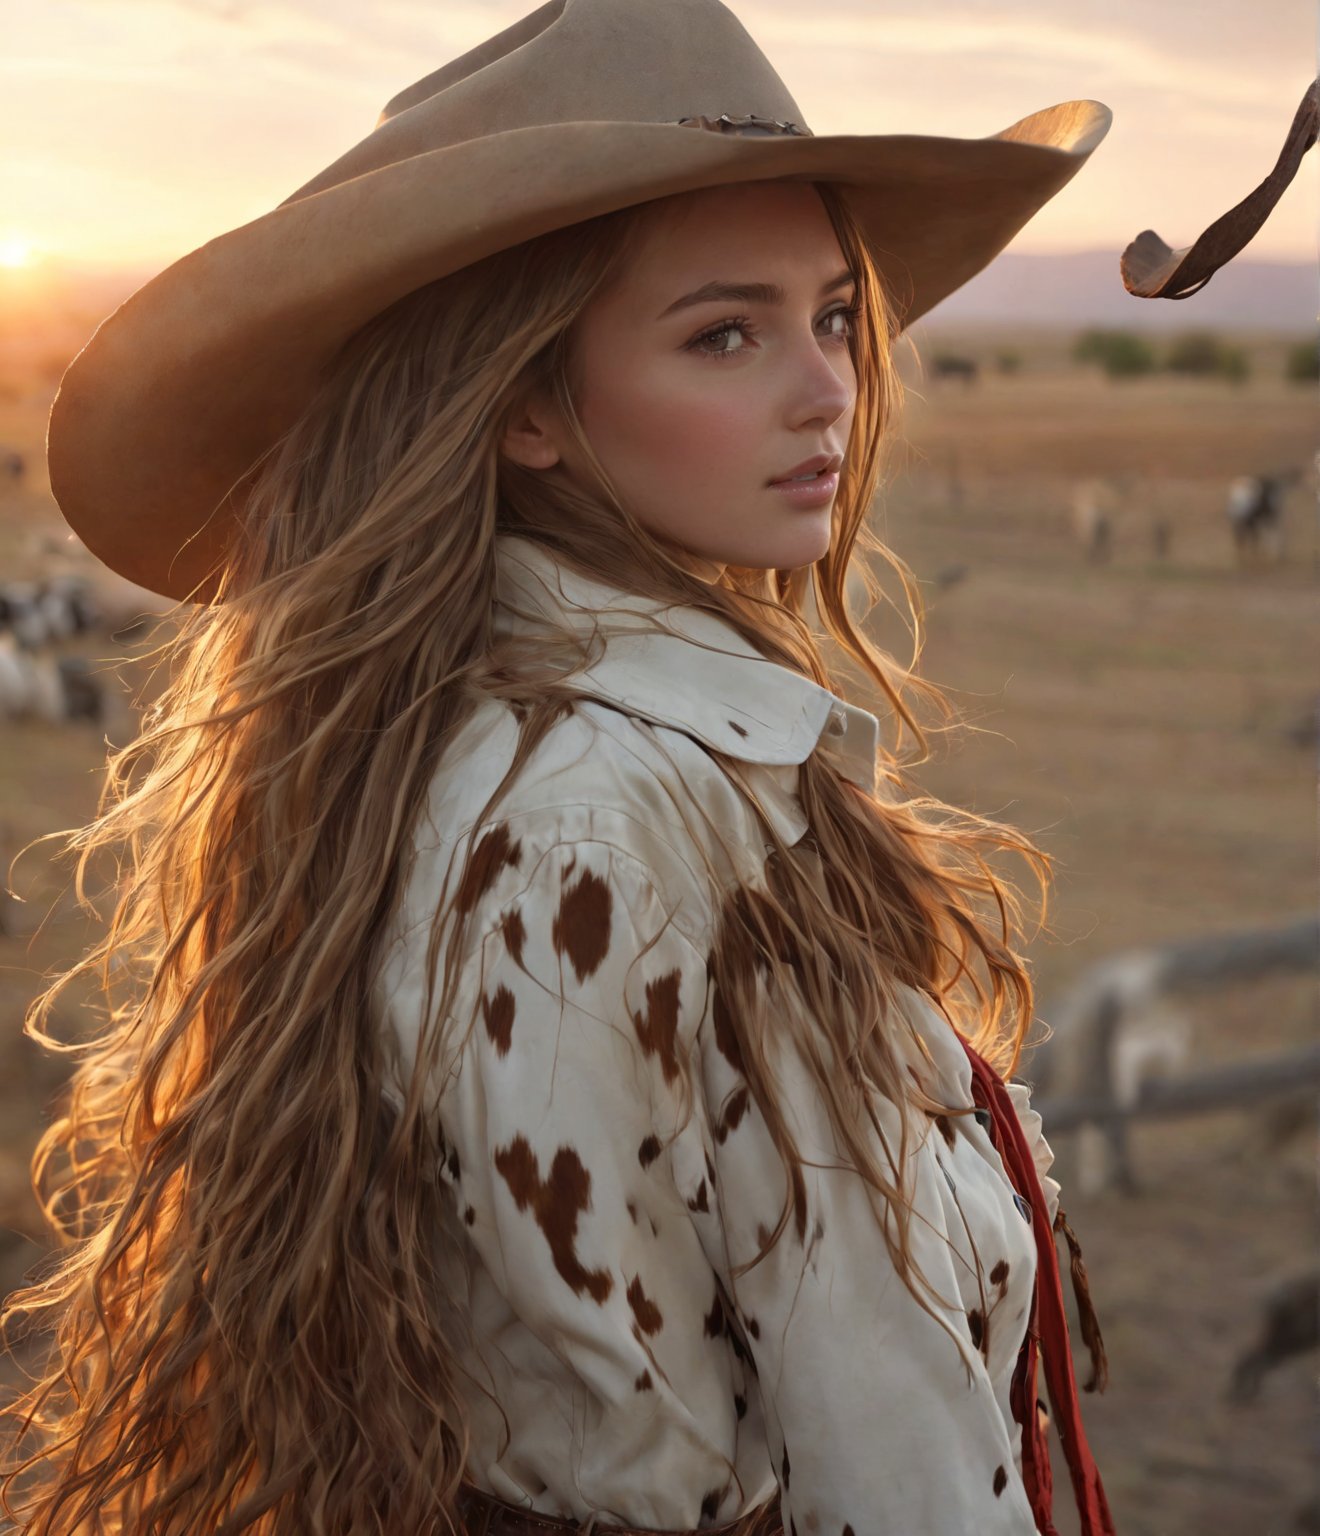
(1047, 1328)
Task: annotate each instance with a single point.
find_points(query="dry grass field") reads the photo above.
(1151, 722)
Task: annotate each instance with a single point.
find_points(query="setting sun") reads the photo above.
(15, 250)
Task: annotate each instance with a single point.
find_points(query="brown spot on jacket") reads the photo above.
(581, 927)
(555, 1202)
(497, 850)
(648, 1315)
(657, 1028)
(497, 1013)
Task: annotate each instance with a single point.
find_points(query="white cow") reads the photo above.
(1095, 507)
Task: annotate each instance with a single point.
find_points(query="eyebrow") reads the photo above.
(745, 293)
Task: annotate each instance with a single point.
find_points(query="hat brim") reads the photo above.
(162, 415)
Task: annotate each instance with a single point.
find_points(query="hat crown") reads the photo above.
(572, 61)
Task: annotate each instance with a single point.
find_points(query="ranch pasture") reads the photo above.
(1149, 718)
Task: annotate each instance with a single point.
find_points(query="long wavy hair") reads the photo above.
(242, 1213)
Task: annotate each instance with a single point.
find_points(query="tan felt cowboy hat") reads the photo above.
(581, 107)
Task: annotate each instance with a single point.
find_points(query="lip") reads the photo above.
(819, 461)
(808, 493)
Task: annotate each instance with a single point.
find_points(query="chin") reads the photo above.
(804, 546)
(803, 541)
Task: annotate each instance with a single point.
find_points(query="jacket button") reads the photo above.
(983, 1118)
(1023, 1208)
(835, 725)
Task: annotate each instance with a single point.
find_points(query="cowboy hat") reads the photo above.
(579, 108)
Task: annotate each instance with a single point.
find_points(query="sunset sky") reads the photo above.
(134, 130)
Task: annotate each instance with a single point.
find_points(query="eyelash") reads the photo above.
(743, 324)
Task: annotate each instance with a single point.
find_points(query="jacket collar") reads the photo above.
(694, 672)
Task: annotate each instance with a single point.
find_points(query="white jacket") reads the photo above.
(589, 1257)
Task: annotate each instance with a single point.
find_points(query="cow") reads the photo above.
(1095, 506)
(1289, 1326)
(1255, 514)
(947, 366)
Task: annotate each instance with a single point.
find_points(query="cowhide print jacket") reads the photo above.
(616, 1368)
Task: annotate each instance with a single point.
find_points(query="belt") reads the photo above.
(485, 1515)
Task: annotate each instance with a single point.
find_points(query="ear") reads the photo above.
(530, 438)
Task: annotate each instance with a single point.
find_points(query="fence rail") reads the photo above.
(1236, 1085)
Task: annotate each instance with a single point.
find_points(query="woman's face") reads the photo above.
(693, 417)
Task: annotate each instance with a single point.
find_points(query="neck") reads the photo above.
(708, 571)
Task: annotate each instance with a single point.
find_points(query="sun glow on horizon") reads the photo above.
(16, 250)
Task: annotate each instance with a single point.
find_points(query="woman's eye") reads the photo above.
(744, 327)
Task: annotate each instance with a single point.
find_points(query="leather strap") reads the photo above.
(486, 1515)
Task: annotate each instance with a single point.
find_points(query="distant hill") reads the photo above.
(1084, 288)
(1065, 292)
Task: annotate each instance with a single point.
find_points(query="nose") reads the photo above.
(825, 382)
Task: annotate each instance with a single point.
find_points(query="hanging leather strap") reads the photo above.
(1047, 1330)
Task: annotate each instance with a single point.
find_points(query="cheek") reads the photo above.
(670, 419)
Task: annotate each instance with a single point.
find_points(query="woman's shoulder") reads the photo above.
(599, 775)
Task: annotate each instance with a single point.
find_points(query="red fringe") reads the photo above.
(1047, 1329)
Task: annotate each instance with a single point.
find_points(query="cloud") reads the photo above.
(1008, 42)
(134, 95)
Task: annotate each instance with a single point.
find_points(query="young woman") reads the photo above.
(554, 1066)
